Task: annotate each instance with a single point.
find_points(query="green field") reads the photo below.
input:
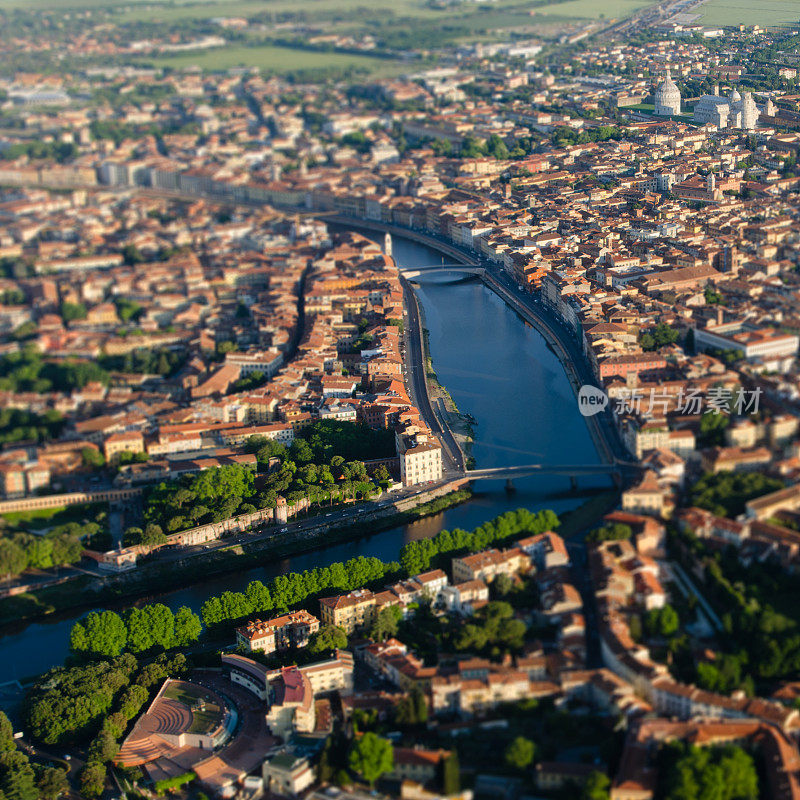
(499, 11)
(597, 9)
(277, 59)
(747, 12)
(51, 517)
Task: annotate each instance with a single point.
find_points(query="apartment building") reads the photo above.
(289, 630)
(348, 611)
(487, 565)
(420, 458)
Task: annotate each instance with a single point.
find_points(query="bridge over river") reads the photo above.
(616, 469)
(462, 270)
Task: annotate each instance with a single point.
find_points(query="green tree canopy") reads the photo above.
(371, 756)
(519, 755)
(326, 639)
(101, 633)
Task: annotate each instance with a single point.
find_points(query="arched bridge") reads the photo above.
(439, 269)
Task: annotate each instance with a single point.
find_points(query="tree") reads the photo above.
(612, 532)
(385, 623)
(151, 536)
(101, 633)
(92, 458)
(327, 638)
(371, 756)
(420, 704)
(712, 428)
(133, 698)
(73, 311)
(451, 774)
(187, 626)
(131, 254)
(520, 753)
(52, 783)
(503, 584)
(92, 779)
(103, 747)
(6, 733)
(150, 626)
(13, 559)
(596, 786)
(17, 778)
(663, 621)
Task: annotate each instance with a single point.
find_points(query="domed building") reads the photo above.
(667, 98)
(734, 111)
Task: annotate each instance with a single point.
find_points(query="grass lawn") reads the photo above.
(277, 59)
(202, 721)
(50, 517)
(45, 514)
(746, 12)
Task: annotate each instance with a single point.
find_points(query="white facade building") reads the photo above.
(734, 111)
(667, 100)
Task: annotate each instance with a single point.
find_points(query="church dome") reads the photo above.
(667, 98)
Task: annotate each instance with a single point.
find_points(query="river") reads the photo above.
(498, 369)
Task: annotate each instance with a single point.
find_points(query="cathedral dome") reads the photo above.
(667, 98)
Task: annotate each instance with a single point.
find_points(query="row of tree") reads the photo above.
(423, 554)
(138, 630)
(294, 588)
(146, 361)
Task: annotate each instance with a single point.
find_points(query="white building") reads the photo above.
(765, 346)
(420, 457)
(268, 362)
(287, 774)
(734, 111)
(667, 100)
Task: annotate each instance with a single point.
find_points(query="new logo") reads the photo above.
(591, 400)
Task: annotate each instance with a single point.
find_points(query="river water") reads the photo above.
(498, 369)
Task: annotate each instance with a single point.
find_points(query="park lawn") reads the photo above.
(50, 517)
(31, 516)
(746, 12)
(276, 59)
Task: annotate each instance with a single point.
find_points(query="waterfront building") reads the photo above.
(420, 457)
(289, 630)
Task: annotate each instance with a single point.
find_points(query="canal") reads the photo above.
(498, 369)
